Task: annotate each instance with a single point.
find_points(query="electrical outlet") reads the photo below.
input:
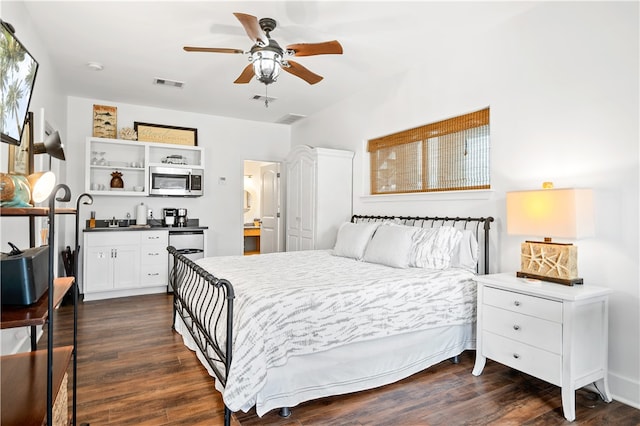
(149, 214)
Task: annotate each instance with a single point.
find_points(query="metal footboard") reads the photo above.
(202, 300)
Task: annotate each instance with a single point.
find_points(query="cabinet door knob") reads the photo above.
(517, 303)
(516, 327)
(516, 356)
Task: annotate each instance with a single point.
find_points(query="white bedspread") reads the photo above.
(302, 302)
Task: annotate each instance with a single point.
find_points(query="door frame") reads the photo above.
(282, 197)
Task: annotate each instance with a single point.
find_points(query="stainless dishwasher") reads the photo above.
(188, 242)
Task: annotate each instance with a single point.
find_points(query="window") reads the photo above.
(449, 155)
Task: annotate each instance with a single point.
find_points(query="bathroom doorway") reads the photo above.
(263, 216)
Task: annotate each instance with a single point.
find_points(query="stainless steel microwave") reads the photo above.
(175, 181)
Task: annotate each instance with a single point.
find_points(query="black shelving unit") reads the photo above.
(14, 409)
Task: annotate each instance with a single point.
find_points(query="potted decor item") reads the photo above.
(116, 180)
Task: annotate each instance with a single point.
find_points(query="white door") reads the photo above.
(98, 268)
(270, 239)
(307, 208)
(293, 206)
(126, 266)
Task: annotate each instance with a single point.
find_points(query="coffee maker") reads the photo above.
(169, 216)
(181, 217)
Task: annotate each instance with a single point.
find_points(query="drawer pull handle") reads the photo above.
(154, 254)
(517, 303)
(516, 356)
(516, 327)
(154, 274)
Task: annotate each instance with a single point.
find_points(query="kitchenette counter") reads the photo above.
(107, 225)
(145, 228)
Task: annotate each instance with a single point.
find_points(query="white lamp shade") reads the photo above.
(557, 213)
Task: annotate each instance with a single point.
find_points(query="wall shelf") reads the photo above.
(132, 158)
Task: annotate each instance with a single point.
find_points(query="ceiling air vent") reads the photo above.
(290, 118)
(167, 82)
(261, 98)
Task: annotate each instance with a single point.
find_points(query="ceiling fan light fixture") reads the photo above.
(267, 65)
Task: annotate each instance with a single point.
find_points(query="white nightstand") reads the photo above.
(554, 332)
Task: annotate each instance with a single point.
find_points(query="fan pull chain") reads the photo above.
(266, 96)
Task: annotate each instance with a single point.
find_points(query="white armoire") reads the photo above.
(319, 196)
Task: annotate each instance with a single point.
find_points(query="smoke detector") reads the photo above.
(95, 66)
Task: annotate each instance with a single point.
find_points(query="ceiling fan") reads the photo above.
(266, 56)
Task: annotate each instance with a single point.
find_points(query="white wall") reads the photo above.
(562, 84)
(227, 143)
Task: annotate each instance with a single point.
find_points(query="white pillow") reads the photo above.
(465, 255)
(433, 247)
(353, 238)
(391, 245)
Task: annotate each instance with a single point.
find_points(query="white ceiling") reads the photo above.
(139, 41)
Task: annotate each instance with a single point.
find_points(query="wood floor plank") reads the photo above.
(134, 370)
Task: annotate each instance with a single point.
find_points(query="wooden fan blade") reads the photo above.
(252, 27)
(300, 71)
(212, 49)
(246, 75)
(310, 49)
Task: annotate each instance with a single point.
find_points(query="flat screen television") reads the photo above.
(19, 70)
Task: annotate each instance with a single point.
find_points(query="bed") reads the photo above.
(393, 297)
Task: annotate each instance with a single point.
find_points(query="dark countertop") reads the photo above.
(102, 225)
(149, 228)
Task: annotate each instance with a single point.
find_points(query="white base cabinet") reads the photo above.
(124, 263)
(554, 332)
(319, 196)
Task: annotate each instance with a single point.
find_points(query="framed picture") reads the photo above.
(148, 132)
(19, 154)
(105, 121)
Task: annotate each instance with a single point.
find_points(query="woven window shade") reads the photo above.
(449, 155)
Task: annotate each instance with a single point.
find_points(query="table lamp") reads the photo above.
(24, 191)
(558, 213)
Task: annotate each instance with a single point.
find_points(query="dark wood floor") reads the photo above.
(132, 369)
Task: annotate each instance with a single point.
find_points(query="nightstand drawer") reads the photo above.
(533, 331)
(529, 305)
(536, 362)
